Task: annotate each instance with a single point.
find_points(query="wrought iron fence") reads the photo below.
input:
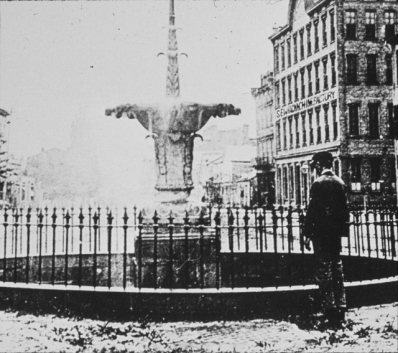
(222, 248)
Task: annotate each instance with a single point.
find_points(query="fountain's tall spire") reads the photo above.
(173, 80)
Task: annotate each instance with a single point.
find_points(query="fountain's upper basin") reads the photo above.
(182, 117)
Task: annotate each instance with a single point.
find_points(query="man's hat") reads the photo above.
(321, 158)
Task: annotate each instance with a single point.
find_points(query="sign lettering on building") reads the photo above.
(306, 103)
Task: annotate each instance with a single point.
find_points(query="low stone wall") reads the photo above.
(192, 306)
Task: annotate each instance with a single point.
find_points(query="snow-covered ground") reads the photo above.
(369, 329)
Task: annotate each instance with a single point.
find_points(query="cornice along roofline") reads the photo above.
(310, 7)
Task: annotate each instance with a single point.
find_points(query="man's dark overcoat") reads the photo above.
(327, 215)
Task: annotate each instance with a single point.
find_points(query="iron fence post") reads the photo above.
(231, 245)
(67, 227)
(186, 252)
(46, 233)
(376, 233)
(96, 228)
(54, 226)
(40, 226)
(275, 230)
(89, 229)
(282, 218)
(16, 216)
(290, 228)
(140, 227)
(155, 249)
(5, 245)
(28, 216)
(110, 219)
(201, 229)
(99, 229)
(81, 226)
(393, 250)
(125, 220)
(262, 230)
(246, 226)
(217, 220)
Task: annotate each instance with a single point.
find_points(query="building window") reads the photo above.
(389, 19)
(290, 132)
(278, 136)
(283, 56)
(325, 73)
(391, 127)
(277, 95)
(351, 25)
(276, 59)
(354, 119)
(285, 184)
(317, 80)
(335, 126)
(284, 134)
(302, 44)
(289, 53)
(296, 118)
(375, 175)
(296, 96)
(373, 109)
(283, 92)
(295, 48)
(337, 167)
(371, 72)
(309, 69)
(318, 125)
(316, 36)
(310, 127)
(393, 173)
(326, 116)
(396, 121)
(389, 69)
(332, 27)
(370, 25)
(302, 84)
(289, 88)
(352, 69)
(333, 64)
(324, 32)
(309, 39)
(303, 130)
(291, 182)
(356, 174)
(279, 185)
(396, 62)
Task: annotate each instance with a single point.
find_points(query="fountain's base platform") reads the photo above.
(176, 205)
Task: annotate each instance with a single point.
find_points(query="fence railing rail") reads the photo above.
(224, 247)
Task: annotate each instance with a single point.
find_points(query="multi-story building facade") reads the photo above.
(393, 41)
(333, 92)
(264, 100)
(231, 177)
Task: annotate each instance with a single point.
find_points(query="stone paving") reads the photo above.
(369, 329)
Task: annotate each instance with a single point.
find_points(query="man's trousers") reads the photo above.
(329, 275)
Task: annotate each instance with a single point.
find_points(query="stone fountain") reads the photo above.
(173, 125)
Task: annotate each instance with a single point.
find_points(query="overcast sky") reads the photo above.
(62, 61)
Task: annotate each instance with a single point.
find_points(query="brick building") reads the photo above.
(393, 41)
(333, 92)
(264, 100)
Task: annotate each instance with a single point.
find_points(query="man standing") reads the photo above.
(326, 222)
